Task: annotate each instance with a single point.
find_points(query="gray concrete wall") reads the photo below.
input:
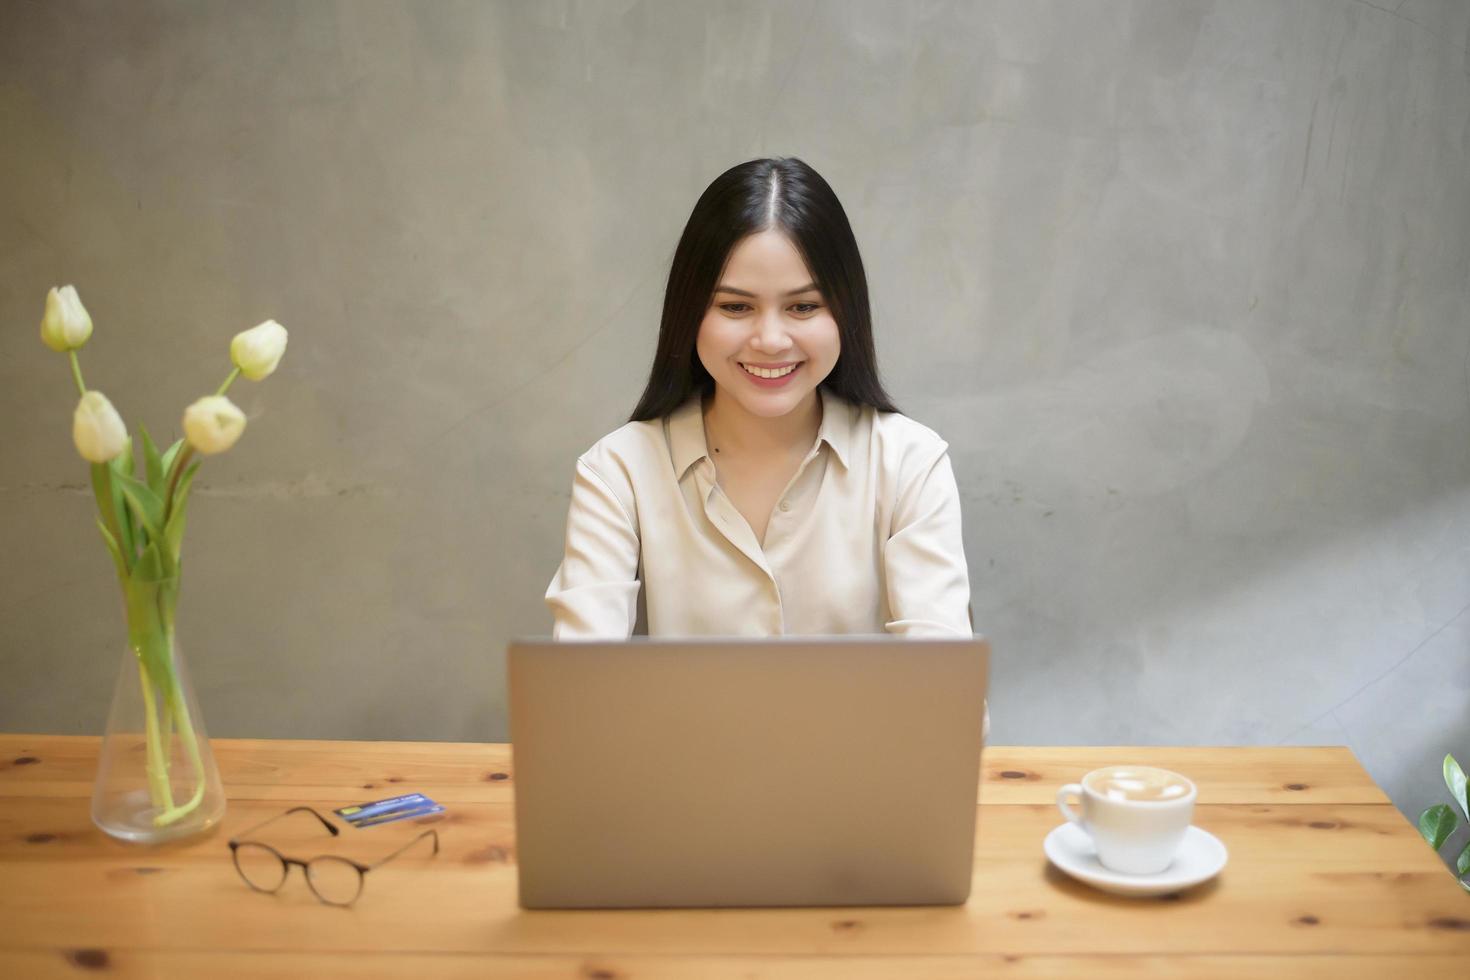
(1183, 283)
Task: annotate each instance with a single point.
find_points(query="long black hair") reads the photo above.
(787, 195)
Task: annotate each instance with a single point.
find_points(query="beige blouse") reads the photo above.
(864, 539)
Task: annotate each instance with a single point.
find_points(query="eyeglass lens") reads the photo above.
(261, 867)
(333, 879)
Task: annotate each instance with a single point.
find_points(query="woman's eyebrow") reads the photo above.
(740, 292)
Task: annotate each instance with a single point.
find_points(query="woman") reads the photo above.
(765, 484)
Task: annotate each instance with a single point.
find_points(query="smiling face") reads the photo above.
(768, 338)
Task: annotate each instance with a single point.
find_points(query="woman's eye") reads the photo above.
(801, 308)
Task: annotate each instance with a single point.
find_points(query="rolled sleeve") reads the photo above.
(594, 593)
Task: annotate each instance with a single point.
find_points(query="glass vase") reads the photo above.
(156, 776)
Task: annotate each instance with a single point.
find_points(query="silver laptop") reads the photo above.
(784, 771)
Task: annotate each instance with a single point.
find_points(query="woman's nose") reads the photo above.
(770, 334)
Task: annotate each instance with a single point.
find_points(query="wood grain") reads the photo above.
(1326, 878)
(463, 772)
(215, 965)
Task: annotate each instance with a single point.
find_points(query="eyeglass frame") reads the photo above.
(362, 869)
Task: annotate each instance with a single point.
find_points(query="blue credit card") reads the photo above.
(389, 810)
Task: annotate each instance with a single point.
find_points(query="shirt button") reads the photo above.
(785, 506)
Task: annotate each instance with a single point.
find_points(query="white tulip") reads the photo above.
(213, 424)
(97, 429)
(257, 351)
(66, 325)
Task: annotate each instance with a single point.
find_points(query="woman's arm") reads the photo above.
(924, 557)
(594, 594)
(924, 560)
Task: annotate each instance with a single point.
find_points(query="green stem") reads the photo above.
(176, 712)
(228, 381)
(109, 517)
(177, 813)
(76, 372)
(165, 726)
(166, 599)
(158, 788)
(150, 633)
(166, 736)
(180, 712)
(180, 461)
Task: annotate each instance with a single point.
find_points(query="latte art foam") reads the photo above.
(1137, 783)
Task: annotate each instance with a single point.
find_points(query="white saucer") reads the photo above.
(1200, 858)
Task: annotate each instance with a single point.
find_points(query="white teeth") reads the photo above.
(765, 373)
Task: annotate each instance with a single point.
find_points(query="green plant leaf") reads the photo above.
(152, 463)
(146, 632)
(168, 599)
(1436, 824)
(142, 609)
(122, 466)
(173, 531)
(1463, 864)
(117, 558)
(124, 460)
(150, 571)
(100, 488)
(109, 500)
(146, 505)
(168, 461)
(1454, 778)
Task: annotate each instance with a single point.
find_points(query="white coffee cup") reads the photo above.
(1136, 815)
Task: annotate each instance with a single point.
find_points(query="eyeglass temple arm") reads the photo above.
(324, 822)
(428, 833)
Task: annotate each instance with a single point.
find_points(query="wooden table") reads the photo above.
(1326, 879)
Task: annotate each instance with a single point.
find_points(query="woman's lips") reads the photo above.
(772, 382)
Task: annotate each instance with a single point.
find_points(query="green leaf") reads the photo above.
(1435, 824)
(117, 558)
(100, 489)
(1454, 778)
(146, 505)
(146, 632)
(173, 531)
(122, 466)
(109, 502)
(1463, 864)
(168, 460)
(124, 460)
(168, 600)
(152, 463)
(150, 571)
(142, 609)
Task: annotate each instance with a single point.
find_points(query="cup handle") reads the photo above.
(1071, 789)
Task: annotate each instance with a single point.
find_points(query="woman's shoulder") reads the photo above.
(905, 450)
(639, 450)
(630, 444)
(892, 436)
(894, 446)
(625, 460)
(900, 430)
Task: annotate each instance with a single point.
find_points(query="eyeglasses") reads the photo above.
(332, 879)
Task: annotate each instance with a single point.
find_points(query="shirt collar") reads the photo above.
(838, 419)
(686, 435)
(686, 430)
